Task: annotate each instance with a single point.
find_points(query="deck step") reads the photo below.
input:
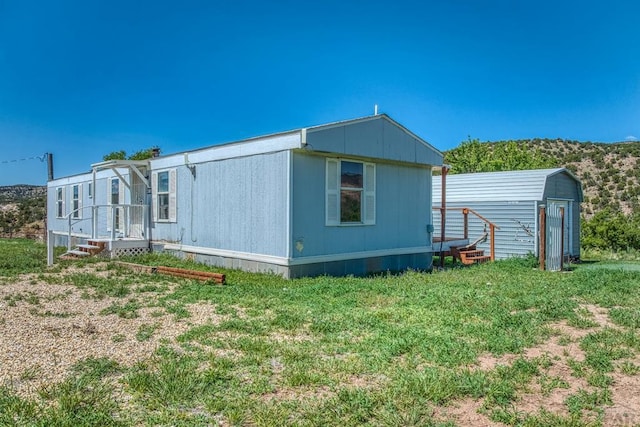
(90, 247)
(473, 256)
(76, 253)
(482, 258)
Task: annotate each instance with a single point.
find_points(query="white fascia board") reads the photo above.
(276, 260)
(110, 164)
(270, 144)
(85, 177)
(110, 173)
(75, 179)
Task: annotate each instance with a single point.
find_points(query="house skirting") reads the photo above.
(357, 263)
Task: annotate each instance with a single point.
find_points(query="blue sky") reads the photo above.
(80, 79)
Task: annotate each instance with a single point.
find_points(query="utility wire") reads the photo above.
(41, 158)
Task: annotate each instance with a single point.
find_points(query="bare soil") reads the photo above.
(559, 350)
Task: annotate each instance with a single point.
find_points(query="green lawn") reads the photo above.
(386, 350)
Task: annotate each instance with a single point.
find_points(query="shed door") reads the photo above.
(558, 233)
(568, 223)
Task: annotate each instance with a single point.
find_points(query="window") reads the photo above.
(163, 186)
(163, 195)
(351, 187)
(90, 190)
(115, 196)
(350, 192)
(76, 201)
(60, 202)
(115, 191)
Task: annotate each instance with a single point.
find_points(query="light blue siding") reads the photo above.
(377, 137)
(238, 204)
(82, 226)
(403, 210)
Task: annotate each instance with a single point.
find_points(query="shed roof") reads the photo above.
(508, 186)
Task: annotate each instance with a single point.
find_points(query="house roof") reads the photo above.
(509, 186)
(376, 136)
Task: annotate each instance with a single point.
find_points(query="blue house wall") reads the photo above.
(261, 204)
(233, 205)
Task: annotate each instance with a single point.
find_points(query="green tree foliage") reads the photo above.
(115, 155)
(122, 155)
(142, 154)
(611, 230)
(474, 156)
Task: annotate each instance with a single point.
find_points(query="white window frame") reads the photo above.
(333, 190)
(76, 202)
(60, 202)
(119, 211)
(172, 210)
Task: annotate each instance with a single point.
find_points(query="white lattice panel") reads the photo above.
(118, 252)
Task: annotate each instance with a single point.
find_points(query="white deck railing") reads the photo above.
(110, 222)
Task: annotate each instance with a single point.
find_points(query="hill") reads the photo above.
(22, 211)
(610, 173)
(17, 193)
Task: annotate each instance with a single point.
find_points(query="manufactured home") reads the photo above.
(511, 201)
(352, 197)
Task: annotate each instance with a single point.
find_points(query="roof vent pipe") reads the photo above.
(375, 109)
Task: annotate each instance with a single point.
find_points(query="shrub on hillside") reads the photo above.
(611, 230)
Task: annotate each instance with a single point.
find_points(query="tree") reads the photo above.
(474, 156)
(612, 230)
(142, 154)
(122, 155)
(8, 221)
(115, 155)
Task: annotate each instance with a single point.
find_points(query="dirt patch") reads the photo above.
(557, 380)
(465, 412)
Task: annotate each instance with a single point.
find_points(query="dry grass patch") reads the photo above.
(41, 342)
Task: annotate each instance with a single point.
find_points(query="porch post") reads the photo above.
(443, 211)
(50, 247)
(561, 239)
(542, 238)
(94, 211)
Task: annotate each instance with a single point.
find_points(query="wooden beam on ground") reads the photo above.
(203, 276)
